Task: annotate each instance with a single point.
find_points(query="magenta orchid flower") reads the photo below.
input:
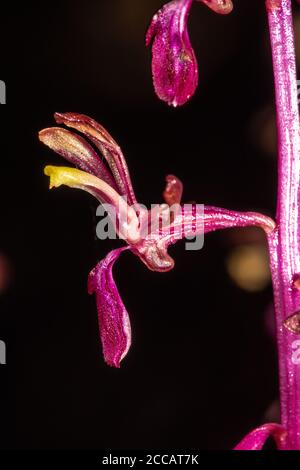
(111, 185)
(174, 64)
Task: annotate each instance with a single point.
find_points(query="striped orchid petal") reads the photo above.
(189, 221)
(76, 150)
(107, 146)
(114, 324)
(213, 218)
(174, 64)
(127, 224)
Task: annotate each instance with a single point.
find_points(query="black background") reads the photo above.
(202, 368)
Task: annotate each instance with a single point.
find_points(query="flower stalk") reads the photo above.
(284, 242)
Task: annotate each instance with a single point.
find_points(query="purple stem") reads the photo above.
(256, 439)
(284, 241)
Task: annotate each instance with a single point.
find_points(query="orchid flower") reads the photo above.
(174, 64)
(109, 182)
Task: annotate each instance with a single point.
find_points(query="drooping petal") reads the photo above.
(219, 6)
(77, 151)
(124, 217)
(114, 324)
(256, 439)
(173, 192)
(174, 65)
(107, 146)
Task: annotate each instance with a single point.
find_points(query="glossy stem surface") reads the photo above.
(284, 241)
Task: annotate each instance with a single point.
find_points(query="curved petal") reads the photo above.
(76, 150)
(256, 439)
(114, 324)
(107, 146)
(174, 65)
(154, 255)
(219, 6)
(124, 217)
(189, 221)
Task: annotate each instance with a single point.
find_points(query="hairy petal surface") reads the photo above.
(174, 65)
(76, 150)
(114, 324)
(107, 146)
(256, 439)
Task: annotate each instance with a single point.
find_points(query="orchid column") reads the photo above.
(285, 243)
